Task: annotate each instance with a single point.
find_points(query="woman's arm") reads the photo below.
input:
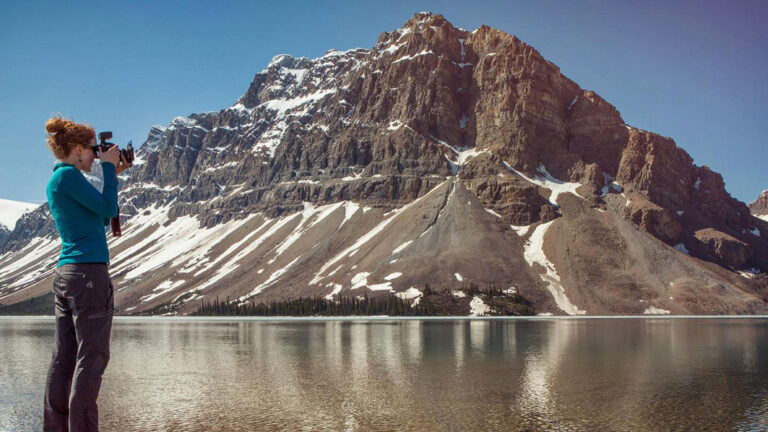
(104, 203)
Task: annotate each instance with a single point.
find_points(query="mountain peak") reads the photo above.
(11, 211)
(760, 206)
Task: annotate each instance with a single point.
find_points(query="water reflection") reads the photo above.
(657, 374)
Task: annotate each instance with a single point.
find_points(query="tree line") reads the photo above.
(432, 302)
(316, 306)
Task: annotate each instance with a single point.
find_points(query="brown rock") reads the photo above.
(547, 213)
(655, 165)
(723, 247)
(654, 219)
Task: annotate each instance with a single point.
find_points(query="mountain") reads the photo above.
(437, 156)
(10, 212)
(759, 208)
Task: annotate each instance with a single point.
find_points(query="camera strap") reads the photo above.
(116, 231)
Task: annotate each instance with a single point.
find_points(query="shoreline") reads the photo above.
(387, 318)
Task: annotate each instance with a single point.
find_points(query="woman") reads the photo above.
(82, 288)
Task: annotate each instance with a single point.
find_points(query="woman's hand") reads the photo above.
(122, 166)
(112, 155)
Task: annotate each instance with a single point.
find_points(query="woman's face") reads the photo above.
(87, 156)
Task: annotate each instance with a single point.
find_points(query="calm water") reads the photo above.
(447, 375)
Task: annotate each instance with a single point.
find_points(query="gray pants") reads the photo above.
(84, 298)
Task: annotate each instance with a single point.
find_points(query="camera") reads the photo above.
(104, 145)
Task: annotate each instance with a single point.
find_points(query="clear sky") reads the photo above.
(693, 70)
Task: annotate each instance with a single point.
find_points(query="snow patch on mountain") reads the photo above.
(37, 247)
(271, 280)
(534, 253)
(462, 154)
(36, 254)
(233, 263)
(411, 293)
(162, 288)
(336, 290)
(610, 185)
(401, 247)
(393, 48)
(521, 230)
(408, 58)
(282, 106)
(367, 237)
(12, 211)
(548, 182)
(653, 310)
(309, 212)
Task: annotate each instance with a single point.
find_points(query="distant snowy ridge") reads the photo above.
(11, 211)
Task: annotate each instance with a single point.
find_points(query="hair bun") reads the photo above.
(56, 124)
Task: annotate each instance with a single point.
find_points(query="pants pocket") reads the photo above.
(109, 306)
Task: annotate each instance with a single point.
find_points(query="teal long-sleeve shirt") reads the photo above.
(81, 212)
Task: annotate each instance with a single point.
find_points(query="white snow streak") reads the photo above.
(401, 247)
(534, 253)
(359, 280)
(162, 288)
(547, 181)
(336, 290)
(33, 251)
(408, 58)
(521, 230)
(272, 278)
(368, 236)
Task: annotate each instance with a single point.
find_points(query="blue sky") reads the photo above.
(693, 71)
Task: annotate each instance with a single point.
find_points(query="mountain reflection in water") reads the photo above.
(549, 374)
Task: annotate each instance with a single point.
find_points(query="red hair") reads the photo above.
(64, 135)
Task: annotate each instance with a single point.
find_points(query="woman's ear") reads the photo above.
(79, 153)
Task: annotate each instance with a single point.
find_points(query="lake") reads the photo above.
(629, 374)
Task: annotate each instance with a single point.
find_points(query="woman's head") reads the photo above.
(70, 142)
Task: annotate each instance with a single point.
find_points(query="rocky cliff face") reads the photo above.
(461, 147)
(760, 206)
